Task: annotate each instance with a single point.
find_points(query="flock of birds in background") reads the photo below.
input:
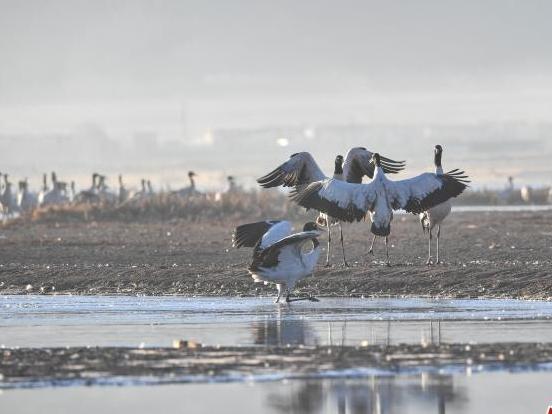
(60, 193)
(282, 257)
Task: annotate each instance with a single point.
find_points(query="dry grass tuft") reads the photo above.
(165, 206)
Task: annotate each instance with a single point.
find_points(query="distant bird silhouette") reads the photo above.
(124, 193)
(57, 195)
(191, 189)
(89, 196)
(26, 200)
(8, 199)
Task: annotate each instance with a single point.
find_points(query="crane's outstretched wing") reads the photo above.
(263, 233)
(420, 193)
(269, 257)
(338, 199)
(301, 168)
(349, 202)
(358, 163)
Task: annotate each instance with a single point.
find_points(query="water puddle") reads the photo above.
(413, 394)
(44, 321)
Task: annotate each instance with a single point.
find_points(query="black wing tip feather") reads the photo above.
(279, 177)
(391, 166)
(358, 170)
(308, 197)
(390, 161)
(458, 175)
(272, 179)
(454, 184)
(248, 235)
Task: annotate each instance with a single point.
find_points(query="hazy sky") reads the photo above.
(180, 67)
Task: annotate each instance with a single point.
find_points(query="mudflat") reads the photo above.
(486, 254)
(32, 367)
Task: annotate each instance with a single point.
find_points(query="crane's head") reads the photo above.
(310, 226)
(338, 168)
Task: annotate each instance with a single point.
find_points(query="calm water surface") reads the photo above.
(482, 393)
(35, 321)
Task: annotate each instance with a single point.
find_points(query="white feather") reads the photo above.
(293, 265)
(277, 232)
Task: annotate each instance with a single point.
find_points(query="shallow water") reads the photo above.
(416, 394)
(123, 320)
(40, 321)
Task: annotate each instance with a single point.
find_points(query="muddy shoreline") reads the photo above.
(487, 255)
(38, 367)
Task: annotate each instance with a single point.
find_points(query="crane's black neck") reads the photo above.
(338, 169)
(438, 155)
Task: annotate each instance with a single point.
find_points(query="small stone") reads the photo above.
(185, 344)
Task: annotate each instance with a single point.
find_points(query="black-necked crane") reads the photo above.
(143, 192)
(105, 195)
(8, 199)
(191, 189)
(150, 188)
(43, 190)
(26, 200)
(124, 193)
(280, 256)
(233, 187)
(90, 195)
(57, 195)
(352, 202)
(302, 169)
(73, 192)
(435, 215)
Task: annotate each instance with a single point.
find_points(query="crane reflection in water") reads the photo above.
(284, 328)
(423, 393)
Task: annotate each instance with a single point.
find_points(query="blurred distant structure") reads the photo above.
(482, 147)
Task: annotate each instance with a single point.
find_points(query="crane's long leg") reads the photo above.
(329, 242)
(438, 235)
(429, 249)
(371, 251)
(387, 249)
(342, 246)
